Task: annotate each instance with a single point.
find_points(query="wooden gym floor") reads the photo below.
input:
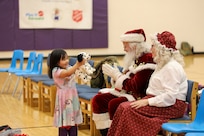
(16, 114)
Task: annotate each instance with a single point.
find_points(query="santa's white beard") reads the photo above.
(129, 59)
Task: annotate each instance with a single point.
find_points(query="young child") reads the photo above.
(67, 113)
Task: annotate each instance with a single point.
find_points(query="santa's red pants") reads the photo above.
(106, 102)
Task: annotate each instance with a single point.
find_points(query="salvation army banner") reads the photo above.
(65, 14)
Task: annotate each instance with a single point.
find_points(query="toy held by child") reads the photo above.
(85, 71)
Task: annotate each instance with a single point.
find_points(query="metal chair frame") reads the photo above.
(17, 62)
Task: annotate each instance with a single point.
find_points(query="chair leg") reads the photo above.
(168, 133)
(35, 88)
(5, 83)
(26, 90)
(42, 98)
(39, 96)
(16, 86)
(53, 97)
(21, 91)
(9, 82)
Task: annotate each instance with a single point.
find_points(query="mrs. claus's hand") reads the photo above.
(139, 103)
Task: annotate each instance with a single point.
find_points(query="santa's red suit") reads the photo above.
(128, 87)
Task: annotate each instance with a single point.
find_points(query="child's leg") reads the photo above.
(72, 131)
(62, 131)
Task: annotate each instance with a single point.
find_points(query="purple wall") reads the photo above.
(11, 37)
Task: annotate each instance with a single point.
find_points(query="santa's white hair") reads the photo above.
(137, 50)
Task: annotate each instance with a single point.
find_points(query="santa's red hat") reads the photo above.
(165, 40)
(137, 35)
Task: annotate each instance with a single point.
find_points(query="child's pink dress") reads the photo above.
(67, 107)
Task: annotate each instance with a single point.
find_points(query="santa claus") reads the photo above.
(129, 85)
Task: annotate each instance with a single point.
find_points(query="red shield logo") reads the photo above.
(77, 15)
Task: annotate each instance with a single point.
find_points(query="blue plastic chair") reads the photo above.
(191, 99)
(85, 99)
(34, 90)
(33, 80)
(48, 96)
(17, 56)
(195, 134)
(30, 62)
(29, 67)
(36, 70)
(91, 62)
(86, 89)
(196, 126)
(16, 64)
(72, 61)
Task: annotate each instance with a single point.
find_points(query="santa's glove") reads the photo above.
(113, 72)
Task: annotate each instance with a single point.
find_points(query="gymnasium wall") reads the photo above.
(184, 18)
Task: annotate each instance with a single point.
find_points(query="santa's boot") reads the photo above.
(102, 122)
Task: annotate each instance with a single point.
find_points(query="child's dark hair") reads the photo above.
(55, 56)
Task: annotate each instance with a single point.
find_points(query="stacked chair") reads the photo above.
(34, 82)
(35, 71)
(17, 61)
(38, 89)
(33, 85)
(29, 67)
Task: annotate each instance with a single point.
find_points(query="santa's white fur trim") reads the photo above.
(102, 120)
(132, 37)
(129, 97)
(119, 81)
(122, 93)
(134, 70)
(105, 90)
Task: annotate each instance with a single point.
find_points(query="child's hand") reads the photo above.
(81, 63)
(80, 57)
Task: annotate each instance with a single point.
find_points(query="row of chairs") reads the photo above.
(40, 91)
(34, 67)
